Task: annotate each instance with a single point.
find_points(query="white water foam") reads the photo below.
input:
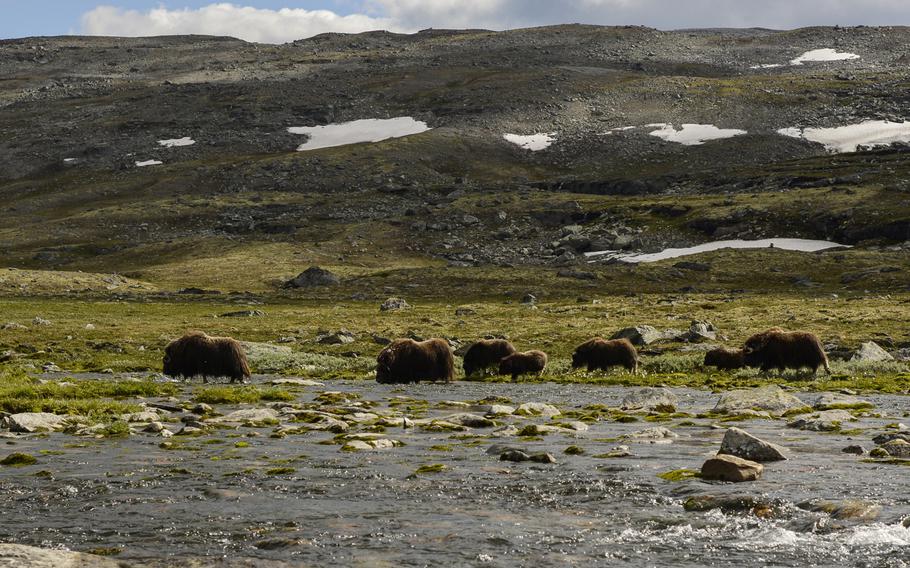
(176, 142)
(801, 245)
(694, 134)
(820, 55)
(148, 163)
(358, 131)
(532, 142)
(848, 138)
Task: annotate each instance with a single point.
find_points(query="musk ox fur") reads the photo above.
(409, 361)
(199, 355)
(599, 353)
(524, 363)
(725, 359)
(779, 349)
(486, 353)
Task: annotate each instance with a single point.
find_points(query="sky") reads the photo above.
(279, 21)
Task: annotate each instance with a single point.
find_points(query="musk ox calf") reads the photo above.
(599, 353)
(523, 364)
(779, 349)
(725, 359)
(409, 361)
(197, 354)
(486, 353)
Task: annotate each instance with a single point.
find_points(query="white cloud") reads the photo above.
(251, 24)
(287, 24)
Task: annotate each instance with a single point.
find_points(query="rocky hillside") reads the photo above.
(79, 115)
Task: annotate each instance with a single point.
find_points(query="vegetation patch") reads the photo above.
(241, 395)
(18, 460)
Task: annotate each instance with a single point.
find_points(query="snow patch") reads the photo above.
(826, 54)
(533, 142)
(849, 138)
(357, 131)
(800, 245)
(148, 163)
(176, 142)
(693, 134)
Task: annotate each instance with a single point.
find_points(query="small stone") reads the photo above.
(537, 409)
(879, 453)
(529, 299)
(244, 314)
(854, 449)
(394, 304)
(658, 434)
(201, 408)
(514, 456)
(897, 448)
(543, 457)
(41, 321)
(723, 467)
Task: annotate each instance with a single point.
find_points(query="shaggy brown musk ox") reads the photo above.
(725, 359)
(779, 349)
(486, 353)
(523, 364)
(599, 353)
(409, 361)
(197, 354)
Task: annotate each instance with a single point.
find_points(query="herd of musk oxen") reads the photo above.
(407, 361)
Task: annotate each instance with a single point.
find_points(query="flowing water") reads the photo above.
(212, 499)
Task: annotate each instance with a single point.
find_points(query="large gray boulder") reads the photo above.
(639, 335)
(22, 556)
(770, 398)
(824, 421)
(724, 467)
(871, 352)
(650, 398)
(744, 445)
(29, 422)
(313, 277)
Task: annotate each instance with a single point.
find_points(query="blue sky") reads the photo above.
(23, 18)
(278, 21)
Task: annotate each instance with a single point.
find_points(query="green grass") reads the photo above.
(239, 395)
(91, 398)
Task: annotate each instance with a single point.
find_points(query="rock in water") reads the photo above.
(770, 398)
(649, 398)
(537, 409)
(34, 422)
(744, 445)
(723, 467)
(313, 277)
(871, 352)
(19, 555)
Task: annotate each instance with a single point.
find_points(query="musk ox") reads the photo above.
(599, 353)
(486, 353)
(725, 359)
(197, 354)
(523, 363)
(409, 361)
(779, 349)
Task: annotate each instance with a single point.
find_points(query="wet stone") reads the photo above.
(741, 444)
(723, 467)
(770, 398)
